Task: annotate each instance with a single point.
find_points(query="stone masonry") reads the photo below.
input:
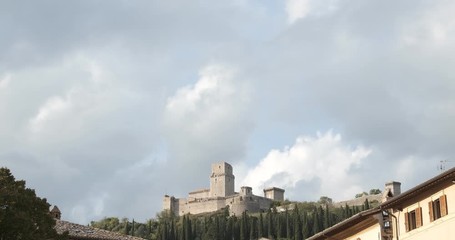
(221, 194)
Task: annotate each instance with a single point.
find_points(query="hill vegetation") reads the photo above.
(285, 220)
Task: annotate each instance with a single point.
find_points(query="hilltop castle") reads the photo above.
(222, 194)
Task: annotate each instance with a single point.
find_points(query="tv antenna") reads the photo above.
(442, 164)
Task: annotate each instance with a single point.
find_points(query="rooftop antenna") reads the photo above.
(442, 164)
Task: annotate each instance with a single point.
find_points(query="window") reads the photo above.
(413, 219)
(438, 208)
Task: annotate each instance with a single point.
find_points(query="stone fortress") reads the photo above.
(221, 194)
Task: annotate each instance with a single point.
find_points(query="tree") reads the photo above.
(325, 200)
(366, 204)
(361, 194)
(23, 215)
(375, 191)
(261, 226)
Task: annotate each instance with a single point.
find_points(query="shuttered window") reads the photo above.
(443, 202)
(413, 219)
(418, 217)
(406, 221)
(438, 208)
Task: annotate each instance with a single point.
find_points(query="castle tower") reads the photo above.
(274, 193)
(221, 180)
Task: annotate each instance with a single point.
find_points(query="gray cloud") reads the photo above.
(87, 89)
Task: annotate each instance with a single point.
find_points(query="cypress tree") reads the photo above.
(305, 226)
(244, 227)
(229, 229)
(172, 231)
(316, 226)
(321, 216)
(126, 227)
(217, 228)
(252, 228)
(149, 228)
(165, 234)
(261, 226)
(269, 224)
(237, 229)
(367, 204)
(288, 224)
(327, 222)
(297, 224)
(189, 230)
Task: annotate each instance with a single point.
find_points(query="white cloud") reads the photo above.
(215, 107)
(207, 122)
(324, 157)
(433, 28)
(4, 81)
(214, 85)
(297, 9)
(53, 106)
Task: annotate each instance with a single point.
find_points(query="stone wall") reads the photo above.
(220, 195)
(205, 205)
(239, 204)
(203, 193)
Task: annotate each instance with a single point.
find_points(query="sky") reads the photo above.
(106, 106)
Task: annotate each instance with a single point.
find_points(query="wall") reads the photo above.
(167, 203)
(239, 204)
(205, 205)
(264, 203)
(442, 228)
(203, 193)
(370, 233)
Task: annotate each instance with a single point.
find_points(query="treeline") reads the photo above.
(297, 221)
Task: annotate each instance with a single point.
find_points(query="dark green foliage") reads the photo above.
(23, 215)
(361, 194)
(366, 204)
(375, 191)
(301, 221)
(261, 226)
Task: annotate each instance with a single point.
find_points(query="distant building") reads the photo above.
(55, 213)
(426, 211)
(81, 232)
(221, 194)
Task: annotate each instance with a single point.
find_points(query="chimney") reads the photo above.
(392, 189)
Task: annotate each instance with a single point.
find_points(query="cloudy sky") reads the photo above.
(105, 106)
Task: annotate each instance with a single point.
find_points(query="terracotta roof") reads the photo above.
(81, 232)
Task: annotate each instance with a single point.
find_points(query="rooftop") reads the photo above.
(81, 232)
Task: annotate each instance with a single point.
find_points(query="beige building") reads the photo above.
(426, 211)
(221, 194)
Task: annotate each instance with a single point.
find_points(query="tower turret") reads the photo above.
(221, 180)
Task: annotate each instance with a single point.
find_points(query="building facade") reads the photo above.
(426, 211)
(221, 194)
